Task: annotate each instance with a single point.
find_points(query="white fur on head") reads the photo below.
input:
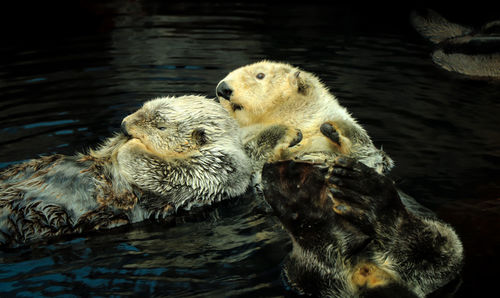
(165, 155)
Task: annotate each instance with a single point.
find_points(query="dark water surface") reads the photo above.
(67, 79)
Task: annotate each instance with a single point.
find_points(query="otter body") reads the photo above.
(355, 235)
(173, 153)
(58, 195)
(461, 49)
(269, 93)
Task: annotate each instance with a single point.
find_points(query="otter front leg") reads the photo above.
(362, 195)
(271, 142)
(353, 141)
(268, 143)
(339, 141)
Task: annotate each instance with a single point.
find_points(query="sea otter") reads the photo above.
(269, 93)
(173, 153)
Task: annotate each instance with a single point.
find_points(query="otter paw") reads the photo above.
(359, 190)
(280, 136)
(358, 177)
(330, 132)
(297, 139)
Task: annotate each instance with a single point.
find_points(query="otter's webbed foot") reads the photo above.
(361, 194)
(330, 132)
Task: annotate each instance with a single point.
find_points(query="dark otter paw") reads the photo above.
(296, 139)
(359, 190)
(330, 132)
(356, 176)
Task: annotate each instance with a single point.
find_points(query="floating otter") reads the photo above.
(354, 235)
(173, 153)
(461, 49)
(270, 93)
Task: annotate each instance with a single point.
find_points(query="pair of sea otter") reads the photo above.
(353, 233)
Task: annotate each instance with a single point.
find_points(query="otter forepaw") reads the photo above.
(329, 131)
(288, 136)
(273, 136)
(297, 139)
(358, 177)
(359, 190)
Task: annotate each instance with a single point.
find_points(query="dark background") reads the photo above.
(56, 20)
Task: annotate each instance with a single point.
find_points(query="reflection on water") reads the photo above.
(194, 258)
(63, 92)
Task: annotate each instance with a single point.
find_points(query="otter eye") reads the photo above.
(260, 76)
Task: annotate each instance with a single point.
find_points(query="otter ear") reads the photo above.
(199, 136)
(298, 82)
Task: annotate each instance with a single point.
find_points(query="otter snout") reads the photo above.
(223, 90)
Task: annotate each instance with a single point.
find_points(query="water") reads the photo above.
(67, 79)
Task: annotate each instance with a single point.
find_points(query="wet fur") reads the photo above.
(355, 235)
(195, 159)
(289, 96)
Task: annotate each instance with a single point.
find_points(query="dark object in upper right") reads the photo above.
(462, 49)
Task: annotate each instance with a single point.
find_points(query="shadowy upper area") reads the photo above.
(41, 20)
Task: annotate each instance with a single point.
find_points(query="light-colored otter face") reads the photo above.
(190, 135)
(170, 125)
(254, 92)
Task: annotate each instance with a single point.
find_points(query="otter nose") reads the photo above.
(223, 90)
(124, 129)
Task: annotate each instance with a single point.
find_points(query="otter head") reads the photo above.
(255, 92)
(181, 141)
(166, 126)
(331, 250)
